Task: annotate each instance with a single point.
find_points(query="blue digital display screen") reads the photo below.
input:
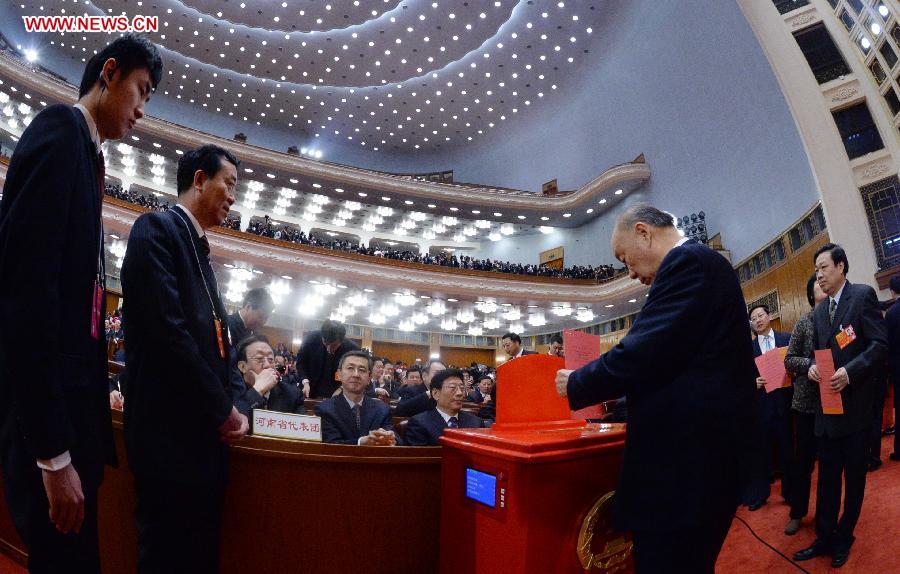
(481, 487)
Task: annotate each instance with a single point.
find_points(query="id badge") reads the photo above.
(96, 309)
(219, 337)
(845, 337)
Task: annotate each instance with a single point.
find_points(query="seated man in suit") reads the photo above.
(512, 344)
(483, 390)
(351, 417)
(384, 384)
(264, 388)
(415, 384)
(426, 428)
(421, 401)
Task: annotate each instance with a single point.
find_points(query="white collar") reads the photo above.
(351, 403)
(837, 296)
(682, 241)
(200, 232)
(521, 350)
(771, 333)
(92, 126)
(447, 416)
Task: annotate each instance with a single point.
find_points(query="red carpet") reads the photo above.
(877, 540)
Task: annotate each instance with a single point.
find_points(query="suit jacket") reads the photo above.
(178, 392)
(236, 329)
(426, 428)
(53, 383)
(778, 402)
(863, 358)
(892, 322)
(408, 392)
(314, 363)
(338, 425)
(284, 398)
(689, 395)
(393, 387)
(418, 403)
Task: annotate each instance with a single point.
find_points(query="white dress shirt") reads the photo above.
(447, 416)
(767, 341)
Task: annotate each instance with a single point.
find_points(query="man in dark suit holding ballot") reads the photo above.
(849, 323)
(689, 395)
(55, 430)
(179, 414)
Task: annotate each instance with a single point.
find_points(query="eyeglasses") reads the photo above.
(263, 360)
(357, 370)
(452, 388)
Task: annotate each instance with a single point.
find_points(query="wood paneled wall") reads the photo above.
(276, 336)
(400, 351)
(464, 356)
(789, 277)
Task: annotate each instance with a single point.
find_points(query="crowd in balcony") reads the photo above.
(266, 228)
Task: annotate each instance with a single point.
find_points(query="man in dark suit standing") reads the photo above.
(253, 314)
(689, 395)
(351, 417)
(892, 321)
(849, 323)
(318, 358)
(264, 387)
(178, 355)
(773, 424)
(512, 344)
(449, 392)
(55, 430)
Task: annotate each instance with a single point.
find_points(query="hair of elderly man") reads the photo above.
(644, 213)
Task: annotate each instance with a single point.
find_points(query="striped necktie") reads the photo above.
(453, 423)
(832, 307)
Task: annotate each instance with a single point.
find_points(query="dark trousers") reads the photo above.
(896, 383)
(49, 551)
(688, 551)
(874, 447)
(804, 461)
(845, 456)
(178, 527)
(776, 430)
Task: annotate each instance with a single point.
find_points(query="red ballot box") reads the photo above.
(534, 493)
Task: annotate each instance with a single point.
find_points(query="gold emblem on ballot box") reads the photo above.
(600, 548)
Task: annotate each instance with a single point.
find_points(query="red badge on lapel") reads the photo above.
(845, 337)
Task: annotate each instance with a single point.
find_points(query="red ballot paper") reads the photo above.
(771, 367)
(831, 400)
(582, 348)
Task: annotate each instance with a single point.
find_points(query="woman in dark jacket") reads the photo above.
(805, 404)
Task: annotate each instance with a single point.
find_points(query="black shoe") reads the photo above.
(895, 456)
(817, 549)
(875, 465)
(890, 430)
(753, 507)
(840, 558)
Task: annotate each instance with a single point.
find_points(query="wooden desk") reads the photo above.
(296, 507)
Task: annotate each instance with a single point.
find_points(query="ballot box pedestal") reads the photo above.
(531, 501)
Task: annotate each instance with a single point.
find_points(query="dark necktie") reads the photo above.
(355, 411)
(204, 246)
(101, 174)
(832, 307)
(453, 423)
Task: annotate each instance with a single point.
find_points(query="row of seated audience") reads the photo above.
(264, 228)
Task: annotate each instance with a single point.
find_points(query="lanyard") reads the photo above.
(199, 267)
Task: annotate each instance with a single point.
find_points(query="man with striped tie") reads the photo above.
(449, 392)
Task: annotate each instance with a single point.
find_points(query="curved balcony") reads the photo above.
(281, 257)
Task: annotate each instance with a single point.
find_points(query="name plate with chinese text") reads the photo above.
(287, 425)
